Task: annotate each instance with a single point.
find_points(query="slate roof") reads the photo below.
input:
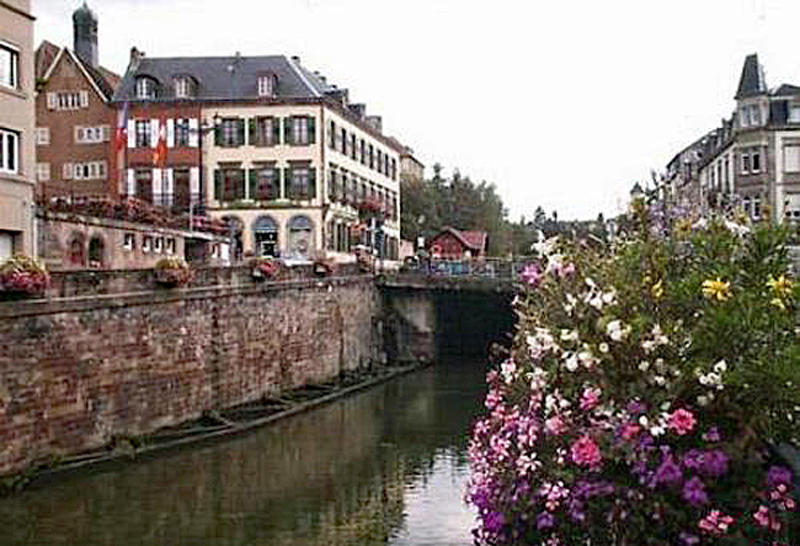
(787, 89)
(46, 54)
(224, 78)
(752, 81)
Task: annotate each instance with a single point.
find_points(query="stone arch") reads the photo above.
(97, 252)
(265, 236)
(76, 249)
(301, 236)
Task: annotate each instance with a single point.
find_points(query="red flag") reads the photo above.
(160, 153)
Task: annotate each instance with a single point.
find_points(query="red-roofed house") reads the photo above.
(454, 244)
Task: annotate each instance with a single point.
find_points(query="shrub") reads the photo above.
(22, 274)
(647, 389)
(172, 272)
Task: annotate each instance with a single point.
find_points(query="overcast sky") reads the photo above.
(562, 104)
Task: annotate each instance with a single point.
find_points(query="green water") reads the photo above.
(387, 466)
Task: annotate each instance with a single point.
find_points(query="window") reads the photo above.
(332, 135)
(129, 241)
(363, 147)
(92, 170)
(9, 151)
(333, 184)
(344, 141)
(794, 113)
(745, 162)
(302, 182)
(92, 135)
(144, 184)
(158, 247)
(264, 184)
(756, 207)
(230, 133)
(9, 66)
(791, 158)
(170, 246)
(229, 183)
(264, 131)
(755, 115)
(755, 160)
(145, 88)
(380, 161)
(353, 149)
(182, 133)
(147, 243)
(68, 100)
(184, 87)
(43, 172)
(143, 133)
(42, 136)
(299, 130)
(266, 86)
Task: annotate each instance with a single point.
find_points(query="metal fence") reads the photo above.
(493, 268)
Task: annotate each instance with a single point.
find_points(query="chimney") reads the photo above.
(136, 57)
(84, 27)
(296, 59)
(360, 110)
(376, 122)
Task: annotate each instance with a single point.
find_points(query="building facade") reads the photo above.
(17, 150)
(271, 148)
(73, 117)
(752, 160)
(455, 244)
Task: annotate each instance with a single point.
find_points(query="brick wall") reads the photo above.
(76, 372)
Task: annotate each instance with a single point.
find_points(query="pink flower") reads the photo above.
(682, 422)
(590, 398)
(531, 275)
(715, 523)
(585, 452)
(555, 426)
(630, 431)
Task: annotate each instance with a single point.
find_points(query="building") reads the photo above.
(410, 166)
(455, 244)
(73, 115)
(752, 159)
(17, 151)
(271, 148)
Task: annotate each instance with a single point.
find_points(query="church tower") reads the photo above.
(84, 24)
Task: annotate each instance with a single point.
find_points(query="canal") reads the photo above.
(386, 466)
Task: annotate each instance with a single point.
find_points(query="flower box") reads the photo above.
(22, 277)
(172, 272)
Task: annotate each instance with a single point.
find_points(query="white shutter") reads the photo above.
(131, 182)
(153, 132)
(194, 181)
(52, 101)
(158, 188)
(170, 133)
(66, 171)
(106, 133)
(78, 131)
(131, 133)
(84, 99)
(168, 182)
(791, 159)
(194, 132)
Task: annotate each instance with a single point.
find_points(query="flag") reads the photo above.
(121, 138)
(160, 152)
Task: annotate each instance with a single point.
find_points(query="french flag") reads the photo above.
(121, 138)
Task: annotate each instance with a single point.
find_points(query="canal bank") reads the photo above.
(385, 465)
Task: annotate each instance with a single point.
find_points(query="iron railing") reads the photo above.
(493, 268)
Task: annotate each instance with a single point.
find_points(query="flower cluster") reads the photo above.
(172, 272)
(646, 390)
(266, 268)
(23, 275)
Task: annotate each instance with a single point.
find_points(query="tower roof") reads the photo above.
(83, 14)
(752, 82)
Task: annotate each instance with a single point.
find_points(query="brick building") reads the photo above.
(455, 244)
(17, 152)
(73, 115)
(752, 159)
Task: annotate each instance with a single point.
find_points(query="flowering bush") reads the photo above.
(266, 268)
(23, 275)
(172, 272)
(647, 390)
(371, 208)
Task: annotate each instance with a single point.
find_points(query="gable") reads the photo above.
(67, 72)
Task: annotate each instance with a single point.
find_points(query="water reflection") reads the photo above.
(386, 466)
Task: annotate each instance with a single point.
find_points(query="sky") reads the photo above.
(562, 104)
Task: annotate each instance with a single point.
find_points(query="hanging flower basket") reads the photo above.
(371, 208)
(172, 272)
(23, 276)
(265, 269)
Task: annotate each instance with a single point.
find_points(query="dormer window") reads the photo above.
(184, 87)
(145, 88)
(266, 85)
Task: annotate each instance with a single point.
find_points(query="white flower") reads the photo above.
(586, 358)
(508, 370)
(660, 380)
(644, 365)
(590, 283)
(596, 301)
(658, 430)
(569, 335)
(546, 247)
(609, 297)
(603, 347)
(617, 331)
(721, 367)
(571, 362)
(702, 400)
(736, 229)
(572, 301)
(648, 345)
(643, 421)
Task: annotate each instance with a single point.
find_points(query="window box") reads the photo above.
(22, 276)
(172, 272)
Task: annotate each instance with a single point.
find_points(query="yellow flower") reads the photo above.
(777, 302)
(717, 289)
(782, 287)
(657, 290)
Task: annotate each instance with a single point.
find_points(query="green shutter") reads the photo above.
(288, 137)
(218, 136)
(312, 129)
(251, 133)
(217, 184)
(253, 174)
(275, 191)
(276, 131)
(288, 190)
(312, 182)
(240, 131)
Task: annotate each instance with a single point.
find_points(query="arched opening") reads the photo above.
(265, 236)
(96, 252)
(234, 228)
(76, 250)
(301, 237)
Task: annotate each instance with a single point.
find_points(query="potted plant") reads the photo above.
(266, 268)
(172, 272)
(23, 276)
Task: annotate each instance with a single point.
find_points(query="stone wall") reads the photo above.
(77, 372)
